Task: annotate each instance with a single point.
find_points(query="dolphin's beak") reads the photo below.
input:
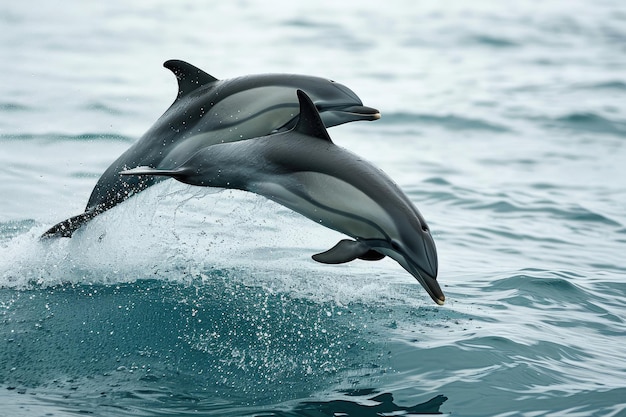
(337, 115)
(425, 267)
(428, 270)
(432, 287)
(427, 279)
(363, 112)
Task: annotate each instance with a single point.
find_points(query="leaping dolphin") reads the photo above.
(208, 111)
(302, 169)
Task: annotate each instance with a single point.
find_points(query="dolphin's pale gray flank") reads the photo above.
(209, 111)
(305, 171)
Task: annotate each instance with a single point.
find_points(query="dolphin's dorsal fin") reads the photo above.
(189, 77)
(309, 122)
(348, 250)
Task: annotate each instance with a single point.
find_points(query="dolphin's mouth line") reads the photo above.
(362, 111)
(373, 116)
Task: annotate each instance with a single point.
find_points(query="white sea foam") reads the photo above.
(179, 233)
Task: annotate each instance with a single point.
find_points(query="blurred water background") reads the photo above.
(505, 123)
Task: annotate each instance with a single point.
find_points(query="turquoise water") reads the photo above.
(504, 122)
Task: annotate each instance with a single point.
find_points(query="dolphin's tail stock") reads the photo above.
(67, 227)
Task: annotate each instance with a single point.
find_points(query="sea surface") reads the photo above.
(504, 122)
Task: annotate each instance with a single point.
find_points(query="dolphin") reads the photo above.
(303, 170)
(208, 111)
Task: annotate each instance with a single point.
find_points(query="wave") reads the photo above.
(216, 334)
(450, 122)
(103, 108)
(58, 137)
(542, 286)
(572, 212)
(157, 309)
(438, 189)
(546, 292)
(175, 232)
(13, 228)
(492, 41)
(615, 85)
(360, 402)
(13, 107)
(309, 23)
(588, 122)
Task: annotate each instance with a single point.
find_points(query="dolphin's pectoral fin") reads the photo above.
(372, 255)
(189, 77)
(348, 250)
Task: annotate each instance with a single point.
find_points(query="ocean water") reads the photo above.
(504, 122)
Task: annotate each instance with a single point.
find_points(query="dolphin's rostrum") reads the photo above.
(305, 171)
(209, 111)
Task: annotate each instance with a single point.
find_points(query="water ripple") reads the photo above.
(57, 137)
(588, 122)
(512, 204)
(14, 228)
(493, 41)
(450, 122)
(13, 107)
(616, 85)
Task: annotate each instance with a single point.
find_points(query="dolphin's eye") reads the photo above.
(425, 228)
